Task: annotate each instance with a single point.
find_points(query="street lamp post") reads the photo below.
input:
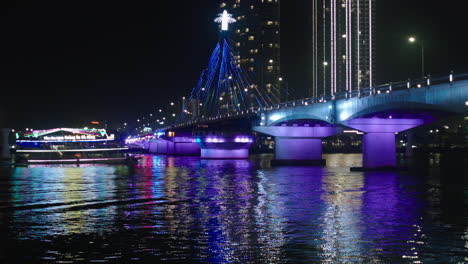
(280, 84)
(414, 40)
(325, 64)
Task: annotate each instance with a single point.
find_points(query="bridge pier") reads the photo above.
(378, 142)
(4, 145)
(219, 147)
(298, 145)
(379, 150)
(181, 146)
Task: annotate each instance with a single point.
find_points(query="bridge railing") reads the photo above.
(383, 88)
(370, 91)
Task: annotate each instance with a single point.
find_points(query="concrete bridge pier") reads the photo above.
(179, 146)
(224, 147)
(378, 142)
(4, 145)
(298, 145)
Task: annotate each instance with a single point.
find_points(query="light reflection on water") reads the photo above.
(185, 210)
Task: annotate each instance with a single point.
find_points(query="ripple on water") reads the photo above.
(187, 210)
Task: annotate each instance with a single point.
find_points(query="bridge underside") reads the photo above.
(378, 142)
(183, 146)
(298, 145)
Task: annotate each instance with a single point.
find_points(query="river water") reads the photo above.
(187, 210)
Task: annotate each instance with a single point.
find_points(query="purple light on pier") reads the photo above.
(298, 145)
(298, 148)
(215, 140)
(378, 144)
(185, 146)
(241, 139)
(214, 147)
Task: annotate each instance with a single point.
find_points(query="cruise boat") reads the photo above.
(70, 146)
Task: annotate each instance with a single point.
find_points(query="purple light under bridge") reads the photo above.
(378, 142)
(298, 145)
(224, 147)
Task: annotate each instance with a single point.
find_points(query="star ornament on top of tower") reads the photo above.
(225, 19)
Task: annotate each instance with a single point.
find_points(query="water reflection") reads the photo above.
(341, 220)
(59, 200)
(183, 209)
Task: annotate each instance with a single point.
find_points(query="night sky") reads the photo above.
(70, 63)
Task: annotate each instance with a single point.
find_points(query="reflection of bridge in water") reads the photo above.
(223, 210)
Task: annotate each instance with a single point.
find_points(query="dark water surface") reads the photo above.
(187, 210)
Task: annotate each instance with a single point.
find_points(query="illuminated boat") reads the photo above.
(70, 146)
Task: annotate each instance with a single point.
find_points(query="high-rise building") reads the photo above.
(256, 36)
(343, 46)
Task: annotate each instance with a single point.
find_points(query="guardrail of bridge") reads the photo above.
(370, 91)
(383, 88)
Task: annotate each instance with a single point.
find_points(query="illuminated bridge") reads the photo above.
(224, 108)
(299, 126)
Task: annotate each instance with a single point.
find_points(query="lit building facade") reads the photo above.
(256, 36)
(343, 46)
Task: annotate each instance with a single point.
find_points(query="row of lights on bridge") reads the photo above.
(303, 102)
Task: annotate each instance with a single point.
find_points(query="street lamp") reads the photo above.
(280, 87)
(414, 40)
(325, 64)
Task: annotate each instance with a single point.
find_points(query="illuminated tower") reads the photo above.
(343, 46)
(257, 41)
(224, 88)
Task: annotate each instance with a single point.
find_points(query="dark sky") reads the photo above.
(67, 64)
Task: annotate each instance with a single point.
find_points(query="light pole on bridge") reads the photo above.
(421, 43)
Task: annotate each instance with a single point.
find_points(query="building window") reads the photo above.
(251, 38)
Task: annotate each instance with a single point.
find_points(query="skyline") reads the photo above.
(119, 62)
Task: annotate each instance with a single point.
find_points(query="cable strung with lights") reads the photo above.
(223, 87)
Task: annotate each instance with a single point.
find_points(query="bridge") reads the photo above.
(224, 108)
(299, 126)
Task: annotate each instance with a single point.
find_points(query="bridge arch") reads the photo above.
(393, 107)
(298, 118)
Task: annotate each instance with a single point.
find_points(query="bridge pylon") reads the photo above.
(298, 145)
(379, 141)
